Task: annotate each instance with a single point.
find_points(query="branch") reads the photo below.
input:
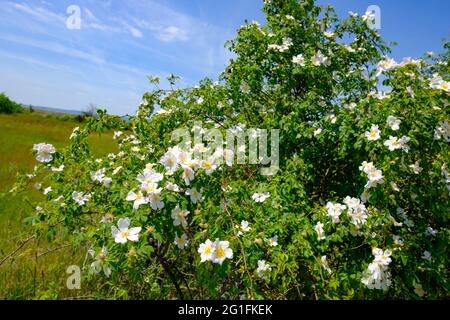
(9, 255)
(240, 245)
(52, 250)
(169, 272)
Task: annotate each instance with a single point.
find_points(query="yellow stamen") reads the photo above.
(220, 252)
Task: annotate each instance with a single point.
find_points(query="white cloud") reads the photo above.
(136, 33)
(202, 41)
(172, 33)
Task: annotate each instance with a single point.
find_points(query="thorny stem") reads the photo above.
(11, 254)
(242, 249)
(185, 282)
(171, 275)
(169, 272)
(52, 250)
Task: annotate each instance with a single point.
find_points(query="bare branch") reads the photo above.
(11, 254)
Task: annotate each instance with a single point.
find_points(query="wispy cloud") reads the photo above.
(40, 13)
(37, 62)
(90, 15)
(53, 47)
(102, 27)
(136, 33)
(88, 19)
(172, 33)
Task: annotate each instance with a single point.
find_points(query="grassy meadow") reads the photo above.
(27, 274)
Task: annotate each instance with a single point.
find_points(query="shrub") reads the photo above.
(7, 105)
(358, 207)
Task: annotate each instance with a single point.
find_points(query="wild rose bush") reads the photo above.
(358, 207)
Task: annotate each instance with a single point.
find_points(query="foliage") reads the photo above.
(7, 105)
(357, 210)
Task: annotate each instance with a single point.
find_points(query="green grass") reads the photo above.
(28, 275)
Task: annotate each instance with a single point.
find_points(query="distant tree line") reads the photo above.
(7, 105)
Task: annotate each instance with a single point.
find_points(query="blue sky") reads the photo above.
(106, 62)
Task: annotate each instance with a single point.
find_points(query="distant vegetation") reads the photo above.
(7, 105)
